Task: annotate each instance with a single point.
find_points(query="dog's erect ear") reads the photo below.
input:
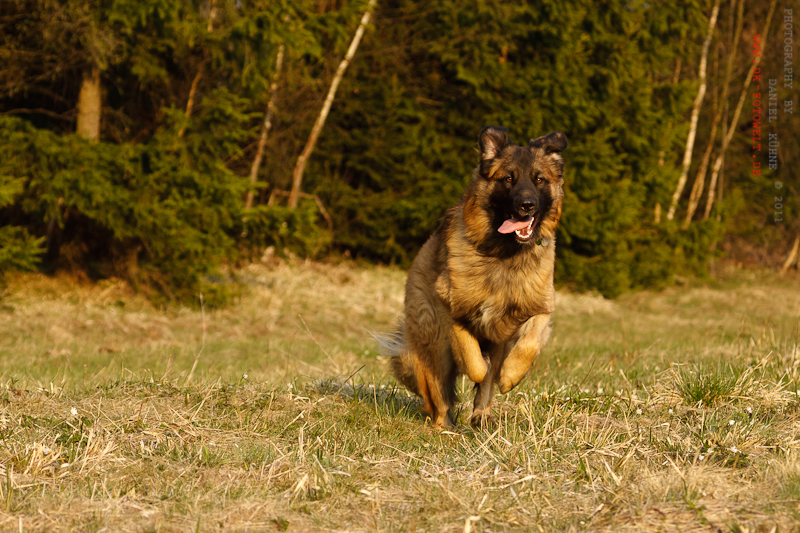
(492, 141)
(552, 142)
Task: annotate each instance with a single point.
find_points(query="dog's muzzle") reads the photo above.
(522, 227)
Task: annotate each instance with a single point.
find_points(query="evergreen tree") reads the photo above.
(159, 199)
(402, 151)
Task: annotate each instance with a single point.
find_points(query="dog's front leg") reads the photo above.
(467, 353)
(484, 391)
(534, 334)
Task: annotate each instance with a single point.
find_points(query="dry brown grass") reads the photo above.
(290, 421)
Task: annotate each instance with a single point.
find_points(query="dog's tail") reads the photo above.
(393, 345)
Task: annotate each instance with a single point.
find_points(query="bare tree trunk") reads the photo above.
(732, 128)
(192, 95)
(657, 210)
(792, 259)
(720, 108)
(700, 178)
(677, 76)
(212, 13)
(699, 181)
(735, 35)
(196, 81)
(89, 105)
(262, 140)
(297, 176)
(698, 102)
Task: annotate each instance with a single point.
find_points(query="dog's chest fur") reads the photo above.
(493, 297)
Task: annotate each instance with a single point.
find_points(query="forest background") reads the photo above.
(156, 140)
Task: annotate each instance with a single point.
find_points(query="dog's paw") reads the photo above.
(441, 422)
(480, 419)
(505, 384)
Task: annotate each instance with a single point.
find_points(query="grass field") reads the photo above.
(669, 411)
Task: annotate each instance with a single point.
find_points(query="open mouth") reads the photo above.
(521, 227)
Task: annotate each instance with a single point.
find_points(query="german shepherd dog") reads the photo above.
(480, 293)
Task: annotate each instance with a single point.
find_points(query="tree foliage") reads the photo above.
(159, 200)
(18, 249)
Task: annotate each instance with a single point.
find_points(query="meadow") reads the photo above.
(673, 410)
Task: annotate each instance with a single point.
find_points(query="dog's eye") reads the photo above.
(539, 179)
(509, 179)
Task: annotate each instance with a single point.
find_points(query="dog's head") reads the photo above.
(516, 190)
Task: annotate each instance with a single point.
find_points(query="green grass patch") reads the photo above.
(643, 414)
(706, 385)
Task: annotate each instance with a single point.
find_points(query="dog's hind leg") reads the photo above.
(437, 389)
(428, 338)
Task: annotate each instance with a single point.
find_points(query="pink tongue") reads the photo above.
(513, 224)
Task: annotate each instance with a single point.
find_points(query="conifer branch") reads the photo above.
(68, 116)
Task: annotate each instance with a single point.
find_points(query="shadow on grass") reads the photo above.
(391, 399)
(395, 401)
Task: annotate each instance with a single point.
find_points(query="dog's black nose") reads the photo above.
(527, 205)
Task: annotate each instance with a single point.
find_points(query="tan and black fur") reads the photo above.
(479, 301)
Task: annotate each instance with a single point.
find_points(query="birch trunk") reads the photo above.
(700, 178)
(699, 181)
(196, 81)
(262, 140)
(192, 95)
(732, 128)
(792, 259)
(297, 175)
(90, 105)
(698, 102)
(735, 36)
(212, 13)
